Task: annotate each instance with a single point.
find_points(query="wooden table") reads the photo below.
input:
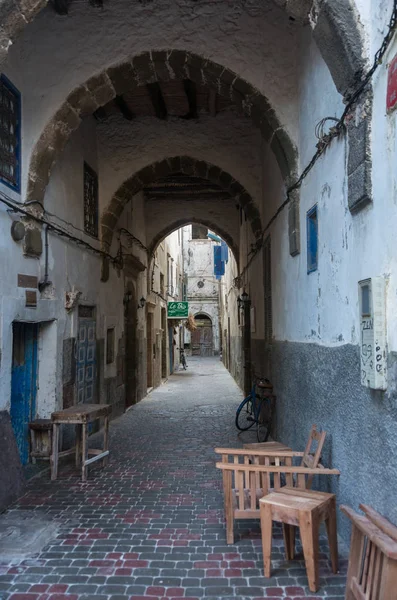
(80, 416)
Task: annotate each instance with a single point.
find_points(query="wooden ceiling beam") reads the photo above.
(124, 108)
(191, 94)
(157, 98)
(61, 7)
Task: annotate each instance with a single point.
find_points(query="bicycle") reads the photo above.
(257, 408)
(183, 359)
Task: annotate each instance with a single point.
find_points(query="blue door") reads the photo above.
(23, 384)
(86, 348)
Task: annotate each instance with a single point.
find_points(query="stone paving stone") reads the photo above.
(150, 525)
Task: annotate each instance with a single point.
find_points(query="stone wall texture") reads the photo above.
(321, 385)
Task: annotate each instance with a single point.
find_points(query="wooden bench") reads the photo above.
(80, 416)
(372, 570)
(245, 480)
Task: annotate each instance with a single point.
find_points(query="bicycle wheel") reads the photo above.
(264, 422)
(245, 415)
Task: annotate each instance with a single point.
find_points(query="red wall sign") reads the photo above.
(391, 99)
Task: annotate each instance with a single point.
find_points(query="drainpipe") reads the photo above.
(247, 346)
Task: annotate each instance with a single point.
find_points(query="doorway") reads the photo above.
(149, 354)
(130, 318)
(202, 337)
(171, 346)
(86, 355)
(23, 384)
(163, 344)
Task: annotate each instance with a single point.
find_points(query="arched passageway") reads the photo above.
(127, 123)
(202, 343)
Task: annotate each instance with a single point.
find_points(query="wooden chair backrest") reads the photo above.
(372, 570)
(254, 475)
(312, 454)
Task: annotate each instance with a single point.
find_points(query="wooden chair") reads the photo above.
(311, 456)
(372, 570)
(245, 480)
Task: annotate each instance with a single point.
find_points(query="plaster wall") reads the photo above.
(228, 141)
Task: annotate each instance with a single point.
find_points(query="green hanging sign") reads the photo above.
(178, 310)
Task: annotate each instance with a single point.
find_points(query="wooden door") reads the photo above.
(86, 356)
(23, 384)
(149, 355)
(202, 341)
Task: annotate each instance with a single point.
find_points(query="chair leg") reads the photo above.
(330, 524)
(289, 541)
(309, 532)
(228, 503)
(266, 528)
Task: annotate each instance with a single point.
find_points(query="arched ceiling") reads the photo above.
(121, 85)
(181, 189)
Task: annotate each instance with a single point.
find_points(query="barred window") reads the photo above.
(90, 201)
(10, 134)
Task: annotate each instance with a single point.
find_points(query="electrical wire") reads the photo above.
(326, 139)
(17, 207)
(132, 237)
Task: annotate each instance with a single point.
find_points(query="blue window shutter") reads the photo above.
(219, 265)
(312, 239)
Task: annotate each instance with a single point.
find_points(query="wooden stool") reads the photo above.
(41, 439)
(305, 509)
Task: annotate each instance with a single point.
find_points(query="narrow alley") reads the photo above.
(151, 524)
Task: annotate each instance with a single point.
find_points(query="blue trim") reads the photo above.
(17, 94)
(312, 239)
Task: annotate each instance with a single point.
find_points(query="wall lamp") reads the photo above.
(127, 298)
(243, 300)
(142, 302)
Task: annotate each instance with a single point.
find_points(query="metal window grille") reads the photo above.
(10, 104)
(90, 201)
(267, 279)
(110, 337)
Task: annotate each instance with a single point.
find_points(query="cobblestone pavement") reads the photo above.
(150, 525)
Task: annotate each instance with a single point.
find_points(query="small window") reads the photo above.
(312, 239)
(162, 285)
(90, 201)
(110, 346)
(10, 134)
(199, 232)
(365, 301)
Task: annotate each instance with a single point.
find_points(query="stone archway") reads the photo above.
(146, 68)
(213, 226)
(188, 166)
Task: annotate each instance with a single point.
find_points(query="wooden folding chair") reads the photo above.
(372, 570)
(311, 456)
(246, 480)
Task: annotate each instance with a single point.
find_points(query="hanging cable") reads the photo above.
(325, 141)
(18, 208)
(132, 237)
